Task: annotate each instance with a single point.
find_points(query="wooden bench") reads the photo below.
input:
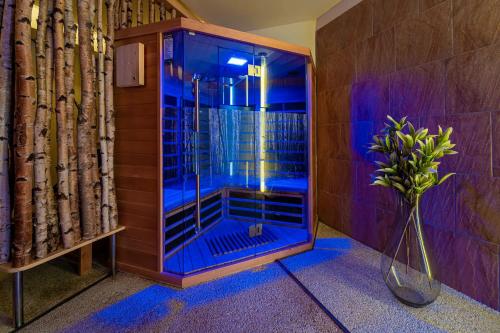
(85, 265)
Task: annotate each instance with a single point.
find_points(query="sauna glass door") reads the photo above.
(216, 147)
(234, 151)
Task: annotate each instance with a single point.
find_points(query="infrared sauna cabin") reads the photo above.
(214, 150)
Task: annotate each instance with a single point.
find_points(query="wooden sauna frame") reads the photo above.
(138, 160)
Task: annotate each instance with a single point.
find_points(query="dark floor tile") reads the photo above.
(478, 269)
(386, 13)
(370, 99)
(476, 23)
(424, 38)
(441, 244)
(472, 136)
(426, 4)
(478, 207)
(419, 91)
(341, 68)
(375, 56)
(496, 143)
(354, 25)
(330, 209)
(438, 205)
(473, 83)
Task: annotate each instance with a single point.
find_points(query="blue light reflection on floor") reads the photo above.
(152, 303)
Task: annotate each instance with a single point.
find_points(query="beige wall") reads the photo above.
(301, 33)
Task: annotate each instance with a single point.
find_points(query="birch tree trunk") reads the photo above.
(129, 13)
(53, 221)
(110, 117)
(140, 12)
(84, 121)
(6, 75)
(123, 14)
(95, 164)
(23, 135)
(62, 136)
(102, 122)
(2, 3)
(70, 29)
(40, 191)
(163, 10)
(116, 14)
(151, 11)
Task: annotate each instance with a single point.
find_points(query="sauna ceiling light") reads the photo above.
(237, 61)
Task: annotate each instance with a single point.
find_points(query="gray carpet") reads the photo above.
(262, 300)
(44, 287)
(345, 276)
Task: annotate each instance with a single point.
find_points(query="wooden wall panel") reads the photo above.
(137, 163)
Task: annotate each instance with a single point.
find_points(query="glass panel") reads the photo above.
(235, 151)
(283, 146)
(176, 146)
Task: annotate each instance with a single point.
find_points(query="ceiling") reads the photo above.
(258, 14)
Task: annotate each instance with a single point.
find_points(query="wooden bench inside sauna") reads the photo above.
(214, 165)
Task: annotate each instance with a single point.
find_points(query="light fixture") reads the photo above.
(237, 61)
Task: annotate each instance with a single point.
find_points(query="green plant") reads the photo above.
(411, 158)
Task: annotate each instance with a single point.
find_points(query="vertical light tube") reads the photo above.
(246, 173)
(231, 92)
(196, 128)
(246, 90)
(262, 123)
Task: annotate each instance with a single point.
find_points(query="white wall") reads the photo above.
(300, 33)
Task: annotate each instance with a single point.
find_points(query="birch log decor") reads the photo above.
(129, 13)
(102, 124)
(2, 3)
(163, 10)
(152, 11)
(123, 13)
(140, 12)
(70, 29)
(85, 204)
(62, 137)
(6, 75)
(23, 134)
(93, 120)
(53, 233)
(42, 168)
(85, 178)
(109, 116)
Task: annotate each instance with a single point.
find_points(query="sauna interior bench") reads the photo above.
(17, 298)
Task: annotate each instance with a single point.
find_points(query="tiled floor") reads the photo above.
(345, 276)
(262, 300)
(341, 273)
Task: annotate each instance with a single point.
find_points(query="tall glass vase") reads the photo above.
(407, 263)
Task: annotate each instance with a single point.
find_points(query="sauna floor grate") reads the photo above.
(238, 241)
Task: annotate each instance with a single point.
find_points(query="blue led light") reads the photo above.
(237, 61)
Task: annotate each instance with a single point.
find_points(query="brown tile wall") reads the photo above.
(438, 62)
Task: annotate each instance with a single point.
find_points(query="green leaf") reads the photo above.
(392, 120)
(412, 129)
(381, 183)
(445, 177)
(399, 187)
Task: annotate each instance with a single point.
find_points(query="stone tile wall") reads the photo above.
(438, 62)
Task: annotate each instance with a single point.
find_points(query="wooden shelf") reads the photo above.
(7, 268)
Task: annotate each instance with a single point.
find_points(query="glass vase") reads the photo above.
(407, 263)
